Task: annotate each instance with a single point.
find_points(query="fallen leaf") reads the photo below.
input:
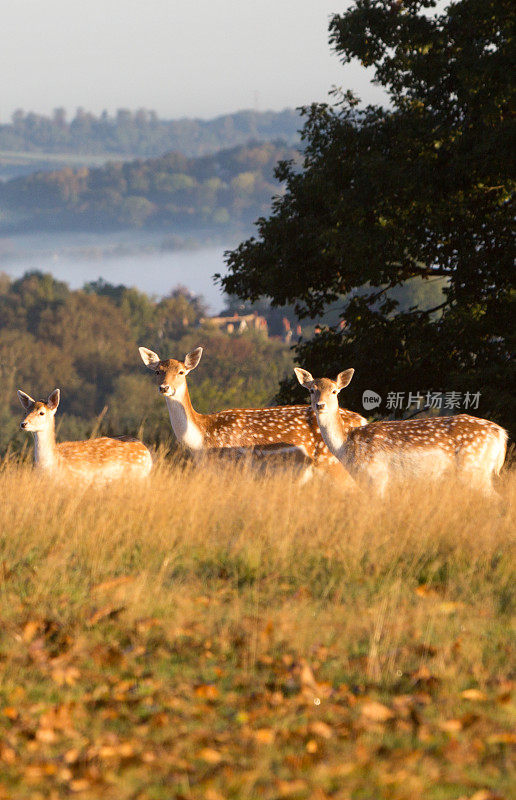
(307, 677)
(207, 691)
(106, 655)
(34, 772)
(264, 735)
(422, 649)
(30, 630)
(107, 751)
(143, 625)
(377, 712)
(423, 677)
(72, 755)
(102, 613)
(290, 788)
(342, 770)
(212, 794)
(126, 750)
(321, 729)
(79, 785)
(210, 755)
(46, 735)
(473, 694)
(451, 725)
(65, 676)
(65, 774)
(160, 720)
(7, 754)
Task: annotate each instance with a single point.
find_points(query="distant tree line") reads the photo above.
(86, 343)
(226, 188)
(142, 133)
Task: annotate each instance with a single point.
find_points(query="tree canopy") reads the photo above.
(421, 188)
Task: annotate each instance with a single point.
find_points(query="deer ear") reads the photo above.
(25, 399)
(343, 378)
(193, 358)
(53, 400)
(304, 377)
(149, 357)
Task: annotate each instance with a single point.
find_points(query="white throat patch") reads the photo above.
(332, 434)
(185, 429)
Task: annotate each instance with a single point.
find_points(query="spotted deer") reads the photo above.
(279, 429)
(373, 454)
(98, 460)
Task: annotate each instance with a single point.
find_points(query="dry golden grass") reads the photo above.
(215, 633)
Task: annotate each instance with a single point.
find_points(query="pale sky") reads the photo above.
(178, 57)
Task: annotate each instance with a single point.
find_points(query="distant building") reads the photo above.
(239, 323)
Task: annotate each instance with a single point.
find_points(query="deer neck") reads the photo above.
(45, 449)
(186, 423)
(333, 432)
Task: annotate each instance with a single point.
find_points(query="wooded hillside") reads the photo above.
(221, 190)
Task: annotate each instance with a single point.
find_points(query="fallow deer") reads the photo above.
(266, 430)
(473, 448)
(98, 460)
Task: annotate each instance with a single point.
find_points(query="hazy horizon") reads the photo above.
(173, 58)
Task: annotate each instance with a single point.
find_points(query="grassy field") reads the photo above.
(216, 633)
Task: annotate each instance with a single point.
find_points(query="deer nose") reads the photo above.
(164, 388)
(319, 406)
(23, 424)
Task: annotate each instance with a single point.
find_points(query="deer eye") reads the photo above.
(41, 413)
(334, 391)
(181, 372)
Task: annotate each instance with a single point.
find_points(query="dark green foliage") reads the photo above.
(86, 343)
(218, 191)
(422, 189)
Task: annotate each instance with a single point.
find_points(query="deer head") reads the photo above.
(40, 414)
(171, 374)
(323, 391)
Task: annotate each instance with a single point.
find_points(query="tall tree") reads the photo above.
(420, 188)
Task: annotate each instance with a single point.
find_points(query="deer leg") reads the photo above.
(376, 478)
(307, 475)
